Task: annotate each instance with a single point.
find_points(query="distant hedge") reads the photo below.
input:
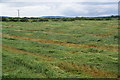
(33, 19)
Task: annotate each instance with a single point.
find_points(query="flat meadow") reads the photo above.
(66, 49)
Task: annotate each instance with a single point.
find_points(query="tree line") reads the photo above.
(34, 19)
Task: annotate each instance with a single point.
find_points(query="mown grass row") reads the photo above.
(105, 47)
(77, 38)
(78, 56)
(48, 49)
(68, 67)
(36, 68)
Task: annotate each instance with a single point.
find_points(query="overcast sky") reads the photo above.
(36, 8)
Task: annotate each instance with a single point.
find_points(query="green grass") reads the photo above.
(30, 59)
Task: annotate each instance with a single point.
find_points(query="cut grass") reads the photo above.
(79, 49)
(113, 48)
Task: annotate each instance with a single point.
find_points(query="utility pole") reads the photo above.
(18, 13)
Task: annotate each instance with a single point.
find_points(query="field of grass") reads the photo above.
(78, 49)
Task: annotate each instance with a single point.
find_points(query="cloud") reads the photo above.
(78, 9)
(39, 10)
(29, 9)
(59, 1)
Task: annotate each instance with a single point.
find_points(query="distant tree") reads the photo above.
(77, 18)
(4, 19)
(13, 20)
(108, 18)
(34, 20)
(43, 19)
(55, 20)
(24, 20)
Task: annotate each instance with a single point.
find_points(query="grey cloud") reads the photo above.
(78, 9)
(93, 10)
(24, 4)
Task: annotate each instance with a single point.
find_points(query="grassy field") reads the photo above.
(78, 49)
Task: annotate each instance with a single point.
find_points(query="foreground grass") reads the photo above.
(79, 49)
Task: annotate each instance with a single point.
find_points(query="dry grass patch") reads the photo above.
(39, 56)
(102, 35)
(54, 25)
(92, 70)
(107, 47)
